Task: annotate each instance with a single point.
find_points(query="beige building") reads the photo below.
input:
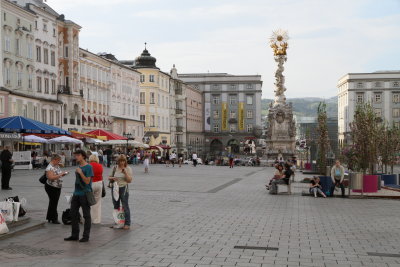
(194, 119)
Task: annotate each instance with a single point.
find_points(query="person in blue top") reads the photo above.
(83, 184)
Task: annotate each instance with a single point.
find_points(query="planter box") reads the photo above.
(370, 184)
(390, 179)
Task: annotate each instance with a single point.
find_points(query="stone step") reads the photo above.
(22, 226)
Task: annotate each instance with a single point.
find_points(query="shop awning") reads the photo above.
(109, 135)
(79, 135)
(19, 124)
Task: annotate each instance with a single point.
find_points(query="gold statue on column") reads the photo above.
(278, 42)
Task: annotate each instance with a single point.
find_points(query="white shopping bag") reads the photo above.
(3, 225)
(115, 191)
(119, 217)
(68, 198)
(6, 208)
(16, 207)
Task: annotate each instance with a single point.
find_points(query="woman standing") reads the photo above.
(123, 176)
(53, 187)
(146, 163)
(97, 186)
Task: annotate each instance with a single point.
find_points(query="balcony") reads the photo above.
(179, 129)
(178, 111)
(63, 89)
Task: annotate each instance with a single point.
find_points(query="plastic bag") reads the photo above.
(119, 217)
(6, 208)
(3, 225)
(115, 191)
(16, 208)
(68, 198)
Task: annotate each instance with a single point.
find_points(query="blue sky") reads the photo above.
(327, 38)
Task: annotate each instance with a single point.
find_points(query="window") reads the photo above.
(44, 116)
(233, 86)
(35, 113)
(30, 80)
(216, 99)
(232, 128)
(378, 84)
(360, 85)
(8, 76)
(45, 56)
(159, 100)
(378, 97)
(151, 78)
(378, 112)
(25, 110)
(66, 52)
(53, 86)
(249, 128)
(158, 121)
(152, 96)
(19, 78)
(36, 25)
(38, 54)
(51, 113)
(53, 58)
(142, 98)
(142, 77)
(360, 97)
(232, 114)
(5, 16)
(249, 86)
(249, 114)
(1, 104)
(395, 84)
(216, 128)
(396, 98)
(143, 117)
(46, 85)
(17, 47)
(30, 51)
(7, 44)
(57, 117)
(397, 124)
(232, 99)
(396, 113)
(152, 120)
(216, 114)
(39, 84)
(54, 32)
(249, 100)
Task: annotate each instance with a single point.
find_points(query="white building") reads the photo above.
(381, 89)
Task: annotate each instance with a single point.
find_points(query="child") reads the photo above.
(316, 188)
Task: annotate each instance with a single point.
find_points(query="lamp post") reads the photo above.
(129, 137)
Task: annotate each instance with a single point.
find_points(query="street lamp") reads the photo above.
(128, 137)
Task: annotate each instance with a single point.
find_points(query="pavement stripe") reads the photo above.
(219, 188)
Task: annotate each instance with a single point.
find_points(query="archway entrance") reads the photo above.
(216, 147)
(234, 145)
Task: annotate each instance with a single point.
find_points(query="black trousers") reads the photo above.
(5, 176)
(76, 203)
(337, 183)
(54, 195)
(108, 161)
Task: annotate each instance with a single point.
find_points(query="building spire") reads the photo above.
(145, 45)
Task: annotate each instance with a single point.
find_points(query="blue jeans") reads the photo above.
(124, 199)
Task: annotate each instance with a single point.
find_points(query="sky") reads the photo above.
(327, 38)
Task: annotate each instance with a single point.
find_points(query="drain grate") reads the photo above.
(175, 200)
(256, 248)
(30, 251)
(219, 188)
(383, 254)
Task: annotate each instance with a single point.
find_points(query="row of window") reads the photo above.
(231, 86)
(162, 101)
(377, 84)
(395, 112)
(162, 122)
(232, 114)
(216, 99)
(49, 84)
(233, 128)
(47, 115)
(45, 56)
(377, 98)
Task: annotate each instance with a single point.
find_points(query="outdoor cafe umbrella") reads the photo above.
(65, 140)
(34, 139)
(19, 124)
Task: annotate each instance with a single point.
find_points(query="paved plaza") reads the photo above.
(196, 216)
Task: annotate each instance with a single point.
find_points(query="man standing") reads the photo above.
(173, 158)
(83, 184)
(194, 158)
(108, 153)
(337, 175)
(6, 162)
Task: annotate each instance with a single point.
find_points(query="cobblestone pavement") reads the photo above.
(196, 217)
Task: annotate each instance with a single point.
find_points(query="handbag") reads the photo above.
(103, 190)
(89, 195)
(43, 178)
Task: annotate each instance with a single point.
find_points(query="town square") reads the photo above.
(199, 133)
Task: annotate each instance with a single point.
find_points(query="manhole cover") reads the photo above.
(174, 200)
(30, 251)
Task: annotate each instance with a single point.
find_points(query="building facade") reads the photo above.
(232, 110)
(381, 89)
(194, 120)
(154, 99)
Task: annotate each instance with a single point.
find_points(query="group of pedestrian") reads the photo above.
(337, 176)
(282, 175)
(88, 181)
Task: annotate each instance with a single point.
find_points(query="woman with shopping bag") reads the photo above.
(53, 187)
(122, 176)
(97, 186)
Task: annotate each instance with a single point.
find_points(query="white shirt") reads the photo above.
(194, 156)
(173, 156)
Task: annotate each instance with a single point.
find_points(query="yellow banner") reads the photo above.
(241, 116)
(224, 117)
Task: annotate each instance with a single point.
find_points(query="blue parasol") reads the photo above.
(19, 124)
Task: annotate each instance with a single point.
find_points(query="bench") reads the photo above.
(287, 186)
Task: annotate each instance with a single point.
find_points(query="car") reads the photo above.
(189, 161)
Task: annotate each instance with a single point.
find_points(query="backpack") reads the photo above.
(66, 217)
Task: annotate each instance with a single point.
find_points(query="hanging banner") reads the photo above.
(207, 115)
(224, 117)
(241, 116)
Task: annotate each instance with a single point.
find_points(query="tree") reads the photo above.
(365, 135)
(323, 138)
(388, 145)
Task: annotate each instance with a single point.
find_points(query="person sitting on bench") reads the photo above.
(316, 188)
(285, 180)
